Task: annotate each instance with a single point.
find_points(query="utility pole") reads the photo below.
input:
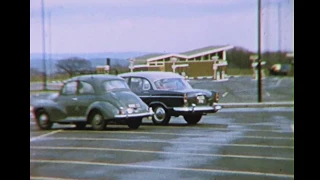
(49, 34)
(279, 30)
(259, 53)
(43, 47)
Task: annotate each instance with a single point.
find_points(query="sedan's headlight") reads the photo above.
(216, 97)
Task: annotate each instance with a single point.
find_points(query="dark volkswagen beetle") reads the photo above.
(91, 99)
(169, 94)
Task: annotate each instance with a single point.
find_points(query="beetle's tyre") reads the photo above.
(192, 119)
(81, 125)
(43, 120)
(97, 121)
(161, 116)
(134, 123)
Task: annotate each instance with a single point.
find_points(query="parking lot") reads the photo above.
(235, 143)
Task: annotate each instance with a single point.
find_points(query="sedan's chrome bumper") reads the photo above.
(213, 108)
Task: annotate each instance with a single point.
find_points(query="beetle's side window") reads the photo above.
(70, 88)
(85, 88)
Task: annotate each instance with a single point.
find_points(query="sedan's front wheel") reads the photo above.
(134, 123)
(161, 116)
(43, 120)
(192, 119)
(97, 121)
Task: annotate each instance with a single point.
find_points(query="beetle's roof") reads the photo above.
(152, 75)
(94, 77)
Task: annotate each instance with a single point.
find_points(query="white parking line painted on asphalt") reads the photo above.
(161, 152)
(224, 94)
(279, 81)
(161, 167)
(227, 129)
(49, 178)
(175, 134)
(44, 135)
(164, 141)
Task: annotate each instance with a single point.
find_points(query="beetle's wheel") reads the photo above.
(134, 123)
(97, 121)
(161, 116)
(192, 119)
(80, 125)
(43, 120)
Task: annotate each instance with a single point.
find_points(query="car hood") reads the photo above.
(43, 96)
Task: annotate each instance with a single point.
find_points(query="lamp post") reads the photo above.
(43, 47)
(173, 60)
(259, 53)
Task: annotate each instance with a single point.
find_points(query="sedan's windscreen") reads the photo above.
(114, 84)
(172, 84)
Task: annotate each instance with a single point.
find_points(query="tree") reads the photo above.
(74, 65)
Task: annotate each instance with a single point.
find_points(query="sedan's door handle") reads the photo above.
(75, 99)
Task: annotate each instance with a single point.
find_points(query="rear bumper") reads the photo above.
(203, 109)
(135, 115)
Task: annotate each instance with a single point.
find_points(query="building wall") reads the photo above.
(195, 68)
(198, 66)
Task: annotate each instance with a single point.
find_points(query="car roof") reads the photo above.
(152, 75)
(94, 77)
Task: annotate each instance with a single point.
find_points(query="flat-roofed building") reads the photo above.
(206, 62)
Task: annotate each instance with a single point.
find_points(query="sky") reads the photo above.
(91, 26)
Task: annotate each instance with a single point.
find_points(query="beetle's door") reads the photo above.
(68, 99)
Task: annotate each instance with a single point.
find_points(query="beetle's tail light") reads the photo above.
(121, 111)
(185, 100)
(216, 97)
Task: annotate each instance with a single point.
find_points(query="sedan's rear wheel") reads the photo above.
(161, 116)
(192, 119)
(43, 120)
(134, 123)
(97, 121)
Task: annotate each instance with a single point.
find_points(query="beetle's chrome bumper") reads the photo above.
(133, 115)
(194, 108)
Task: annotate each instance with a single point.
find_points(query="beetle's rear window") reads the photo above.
(114, 84)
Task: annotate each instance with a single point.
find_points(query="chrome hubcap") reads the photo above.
(159, 114)
(43, 119)
(97, 120)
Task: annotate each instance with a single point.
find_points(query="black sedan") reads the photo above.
(91, 99)
(169, 94)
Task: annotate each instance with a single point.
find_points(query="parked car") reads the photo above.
(169, 94)
(91, 99)
(280, 69)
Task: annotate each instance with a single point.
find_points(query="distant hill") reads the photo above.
(116, 58)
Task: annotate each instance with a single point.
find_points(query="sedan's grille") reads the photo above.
(201, 99)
